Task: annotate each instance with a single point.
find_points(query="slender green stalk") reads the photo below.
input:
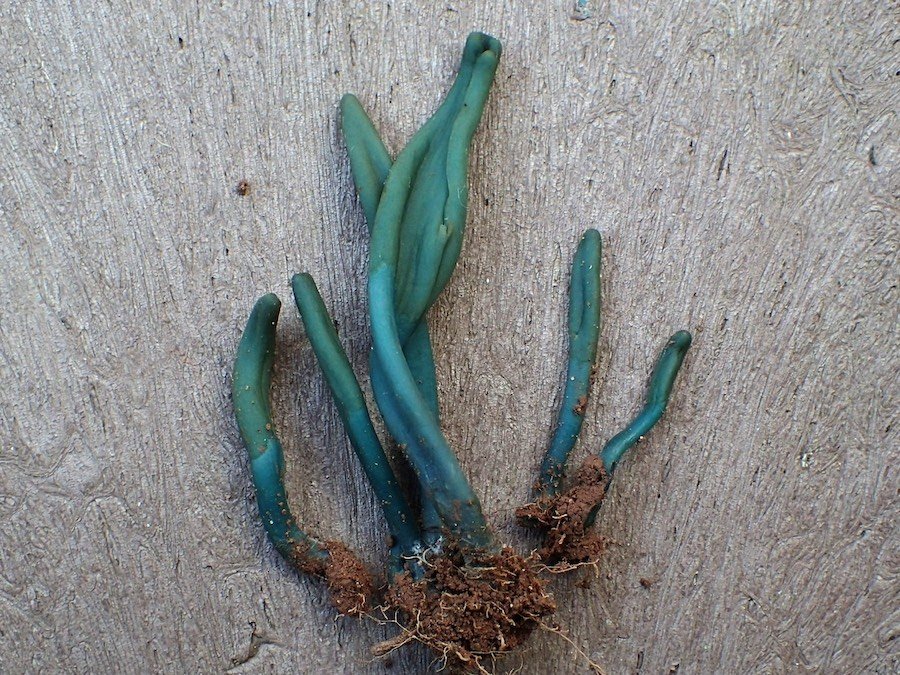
(428, 516)
(250, 393)
(661, 383)
(351, 406)
(425, 229)
(400, 208)
(584, 329)
(369, 159)
(370, 164)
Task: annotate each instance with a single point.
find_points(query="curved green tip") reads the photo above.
(252, 375)
(250, 390)
(478, 43)
(369, 159)
(661, 382)
(663, 378)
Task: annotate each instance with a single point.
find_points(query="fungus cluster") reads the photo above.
(454, 585)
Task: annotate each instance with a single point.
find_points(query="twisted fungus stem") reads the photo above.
(414, 247)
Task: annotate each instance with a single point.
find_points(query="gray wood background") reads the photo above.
(741, 161)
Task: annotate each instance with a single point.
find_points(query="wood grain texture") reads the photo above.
(741, 161)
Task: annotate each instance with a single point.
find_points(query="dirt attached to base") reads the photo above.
(565, 516)
(470, 609)
(350, 584)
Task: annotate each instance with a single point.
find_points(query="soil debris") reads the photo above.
(580, 406)
(349, 581)
(566, 518)
(350, 584)
(470, 608)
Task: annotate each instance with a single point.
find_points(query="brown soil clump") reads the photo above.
(470, 609)
(349, 582)
(565, 517)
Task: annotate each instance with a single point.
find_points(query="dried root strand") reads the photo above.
(556, 630)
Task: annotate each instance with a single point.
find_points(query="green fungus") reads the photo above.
(584, 329)
(250, 389)
(348, 580)
(443, 559)
(429, 213)
(414, 247)
(354, 414)
(661, 382)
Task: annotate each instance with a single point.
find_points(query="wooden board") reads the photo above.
(741, 161)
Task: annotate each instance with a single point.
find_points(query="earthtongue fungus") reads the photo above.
(451, 584)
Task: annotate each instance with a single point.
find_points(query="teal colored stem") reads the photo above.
(429, 196)
(250, 392)
(429, 518)
(661, 383)
(458, 161)
(435, 464)
(584, 329)
(433, 460)
(354, 414)
(419, 357)
(370, 164)
(369, 159)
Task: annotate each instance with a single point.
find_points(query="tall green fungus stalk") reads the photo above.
(415, 207)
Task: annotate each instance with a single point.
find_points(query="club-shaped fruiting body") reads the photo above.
(354, 414)
(661, 382)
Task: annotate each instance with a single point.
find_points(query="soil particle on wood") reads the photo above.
(565, 517)
(580, 406)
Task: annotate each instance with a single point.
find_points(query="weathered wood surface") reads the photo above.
(741, 161)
